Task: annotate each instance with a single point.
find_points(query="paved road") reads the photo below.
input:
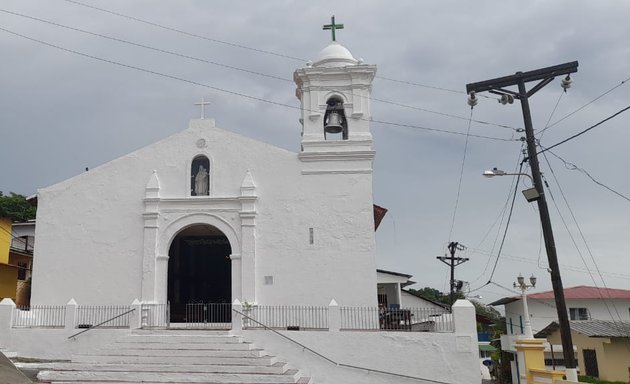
(9, 374)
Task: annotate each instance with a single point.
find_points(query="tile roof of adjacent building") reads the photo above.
(592, 328)
(573, 293)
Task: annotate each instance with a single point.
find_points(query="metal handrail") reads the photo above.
(99, 324)
(333, 361)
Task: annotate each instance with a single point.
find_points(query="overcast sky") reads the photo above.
(61, 112)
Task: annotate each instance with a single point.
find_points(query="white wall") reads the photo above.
(543, 312)
(411, 301)
(90, 227)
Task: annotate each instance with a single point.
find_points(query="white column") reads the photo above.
(237, 273)
(161, 279)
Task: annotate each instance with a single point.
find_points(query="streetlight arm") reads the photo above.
(497, 172)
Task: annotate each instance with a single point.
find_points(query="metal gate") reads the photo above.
(207, 316)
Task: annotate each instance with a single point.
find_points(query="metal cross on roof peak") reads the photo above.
(333, 27)
(203, 104)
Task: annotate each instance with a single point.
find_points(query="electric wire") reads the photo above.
(257, 73)
(586, 130)
(568, 267)
(190, 34)
(461, 177)
(218, 89)
(587, 104)
(551, 114)
(500, 217)
(241, 46)
(572, 167)
(577, 248)
(507, 226)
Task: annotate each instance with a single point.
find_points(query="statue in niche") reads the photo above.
(201, 182)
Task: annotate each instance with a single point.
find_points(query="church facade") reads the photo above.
(207, 215)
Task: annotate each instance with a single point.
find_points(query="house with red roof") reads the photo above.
(584, 303)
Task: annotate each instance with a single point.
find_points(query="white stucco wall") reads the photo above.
(90, 228)
(445, 358)
(411, 301)
(543, 312)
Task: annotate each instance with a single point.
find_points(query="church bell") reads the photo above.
(333, 124)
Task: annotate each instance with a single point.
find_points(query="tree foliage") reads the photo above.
(15, 207)
(435, 295)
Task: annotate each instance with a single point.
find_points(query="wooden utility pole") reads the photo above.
(496, 86)
(453, 262)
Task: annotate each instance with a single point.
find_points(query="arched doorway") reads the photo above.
(199, 274)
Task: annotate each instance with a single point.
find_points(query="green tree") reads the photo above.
(15, 207)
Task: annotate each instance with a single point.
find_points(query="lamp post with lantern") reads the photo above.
(527, 332)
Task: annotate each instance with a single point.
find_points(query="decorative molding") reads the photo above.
(337, 172)
(336, 156)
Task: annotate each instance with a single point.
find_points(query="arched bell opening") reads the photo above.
(335, 122)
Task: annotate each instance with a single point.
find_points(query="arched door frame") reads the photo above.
(178, 225)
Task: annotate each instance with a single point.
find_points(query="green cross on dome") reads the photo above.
(332, 26)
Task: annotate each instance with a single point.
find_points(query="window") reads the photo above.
(578, 314)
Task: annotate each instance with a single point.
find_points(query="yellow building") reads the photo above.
(8, 273)
(603, 347)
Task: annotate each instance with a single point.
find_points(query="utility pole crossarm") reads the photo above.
(537, 74)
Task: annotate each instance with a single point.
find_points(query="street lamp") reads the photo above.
(524, 287)
(531, 194)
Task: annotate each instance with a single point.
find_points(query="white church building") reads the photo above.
(210, 216)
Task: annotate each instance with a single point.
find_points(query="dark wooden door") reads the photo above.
(590, 363)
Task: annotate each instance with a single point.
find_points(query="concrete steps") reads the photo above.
(174, 356)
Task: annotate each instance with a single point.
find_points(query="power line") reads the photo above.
(573, 167)
(190, 34)
(587, 129)
(500, 216)
(231, 92)
(587, 104)
(583, 240)
(507, 225)
(236, 45)
(461, 176)
(257, 73)
(551, 114)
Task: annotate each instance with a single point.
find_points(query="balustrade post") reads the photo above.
(135, 318)
(7, 307)
(71, 315)
(237, 319)
(334, 316)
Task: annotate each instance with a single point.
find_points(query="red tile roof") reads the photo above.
(585, 292)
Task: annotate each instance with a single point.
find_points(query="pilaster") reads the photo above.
(247, 215)
(150, 239)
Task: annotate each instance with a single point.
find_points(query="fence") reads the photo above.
(287, 317)
(51, 316)
(89, 315)
(406, 319)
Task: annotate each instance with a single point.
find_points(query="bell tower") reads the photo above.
(334, 92)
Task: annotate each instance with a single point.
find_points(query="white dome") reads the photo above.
(335, 55)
